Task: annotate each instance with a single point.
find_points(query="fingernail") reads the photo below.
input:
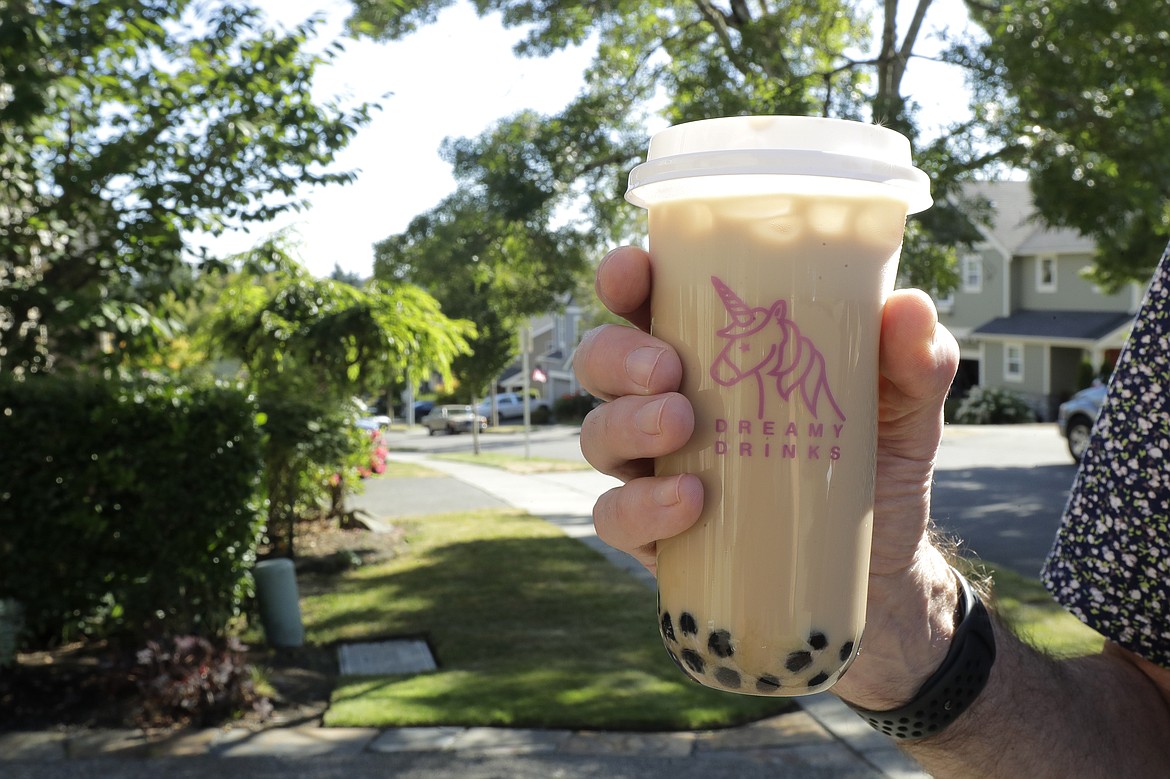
(640, 364)
(648, 420)
(666, 494)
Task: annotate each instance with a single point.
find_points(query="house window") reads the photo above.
(973, 273)
(1046, 274)
(1013, 362)
(945, 303)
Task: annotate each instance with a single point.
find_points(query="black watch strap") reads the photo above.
(955, 685)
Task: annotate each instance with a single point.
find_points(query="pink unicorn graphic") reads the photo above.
(765, 342)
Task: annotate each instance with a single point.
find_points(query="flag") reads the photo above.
(539, 375)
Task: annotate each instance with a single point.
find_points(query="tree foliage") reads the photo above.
(327, 337)
(124, 126)
(1078, 93)
(1071, 91)
(492, 252)
(684, 60)
(308, 346)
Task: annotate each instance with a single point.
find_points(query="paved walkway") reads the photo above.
(823, 739)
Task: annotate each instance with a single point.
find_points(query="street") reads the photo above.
(1000, 489)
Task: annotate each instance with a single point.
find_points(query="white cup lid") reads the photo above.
(744, 155)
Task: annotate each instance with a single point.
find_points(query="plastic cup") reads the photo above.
(774, 242)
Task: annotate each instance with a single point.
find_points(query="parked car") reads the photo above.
(510, 405)
(453, 419)
(421, 409)
(369, 417)
(1076, 417)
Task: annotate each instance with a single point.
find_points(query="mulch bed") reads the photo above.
(89, 685)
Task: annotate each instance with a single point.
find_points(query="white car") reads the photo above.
(453, 419)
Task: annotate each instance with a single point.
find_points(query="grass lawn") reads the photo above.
(1035, 616)
(534, 629)
(529, 628)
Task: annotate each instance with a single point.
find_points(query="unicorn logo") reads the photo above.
(764, 342)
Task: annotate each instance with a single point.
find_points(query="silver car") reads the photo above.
(1076, 417)
(453, 419)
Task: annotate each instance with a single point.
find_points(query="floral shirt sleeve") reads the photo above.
(1110, 564)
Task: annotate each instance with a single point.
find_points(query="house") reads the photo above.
(1025, 316)
(552, 340)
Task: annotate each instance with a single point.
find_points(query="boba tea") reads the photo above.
(774, 242)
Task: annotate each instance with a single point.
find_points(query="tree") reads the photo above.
(329, 338)
(1072, 92)
(125, 125)
(686, 60)
(489, 252)
(309, 346)
(1077, 94)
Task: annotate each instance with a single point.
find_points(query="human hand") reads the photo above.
(910, 585)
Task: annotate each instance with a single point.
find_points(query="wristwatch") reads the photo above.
(955, 685)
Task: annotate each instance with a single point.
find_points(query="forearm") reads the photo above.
(1096, 716)
(1037, 717)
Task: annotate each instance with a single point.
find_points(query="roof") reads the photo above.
(1057, 325)
(1015, 225)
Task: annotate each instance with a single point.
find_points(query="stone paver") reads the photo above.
(99, 743)
(511, 741)
(784, 731)
(385, 658)
(39, 746)
(630, 744)
(415, 739)
(302, 742)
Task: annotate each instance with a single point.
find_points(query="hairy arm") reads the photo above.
(1104, 715)
(1096, 716)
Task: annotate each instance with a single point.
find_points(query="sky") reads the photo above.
(430, 89)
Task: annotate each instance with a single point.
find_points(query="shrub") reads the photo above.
(574, 408)
(127, 511)
(993, 406)
(189, 680)
(310, 443)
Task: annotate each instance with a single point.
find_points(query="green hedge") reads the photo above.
(127, 512)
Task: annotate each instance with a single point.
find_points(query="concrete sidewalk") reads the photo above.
(824, 740)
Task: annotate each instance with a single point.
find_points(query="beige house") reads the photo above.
(1025, 316)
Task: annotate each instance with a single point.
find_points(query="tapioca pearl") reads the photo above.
(818, 680)
(846, 651)
(817, 640)
(728, 678)
(767, 684)
(687, 624)
(720, 644)
(693, 660)
(667, 626)
(798, 661)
